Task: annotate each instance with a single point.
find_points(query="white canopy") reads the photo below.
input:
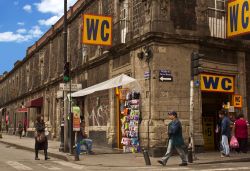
(112, 83)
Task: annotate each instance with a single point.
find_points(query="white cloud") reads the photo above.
(54, 7)
(20, 23)
(12, 37)
(21, 31)
(52, 20)
(27, 8)
(35, 31)
(21, 35)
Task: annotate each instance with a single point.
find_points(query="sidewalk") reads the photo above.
(115, 158)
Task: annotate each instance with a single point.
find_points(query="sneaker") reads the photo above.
(183, 164)
(47, 158)
(161, 162)
(222, 155)
(36, 158)
(227, 155)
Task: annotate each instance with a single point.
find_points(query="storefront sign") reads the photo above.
(217, 83)
(237, 101)
(165, 76)
(22, 110)
(76, 118)
(238, 17)
(97, 30)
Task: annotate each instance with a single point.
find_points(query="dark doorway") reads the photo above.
(211, 104)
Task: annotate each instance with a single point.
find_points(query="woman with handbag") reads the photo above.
(41, 141)
(241, 133)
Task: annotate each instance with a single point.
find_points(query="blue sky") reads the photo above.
(22, 22)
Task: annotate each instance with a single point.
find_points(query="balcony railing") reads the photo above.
(216, 20)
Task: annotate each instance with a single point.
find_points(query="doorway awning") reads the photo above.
(35, 103)
(22, 110)
(112, 83)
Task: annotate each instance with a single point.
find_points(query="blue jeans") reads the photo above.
(225, 146)
(169, 152)
(89, 143)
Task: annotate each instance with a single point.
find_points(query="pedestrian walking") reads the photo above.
(20, 129)
(225, 133)
(241, 133)
(25, 124)
(175, 140)
(41, 141)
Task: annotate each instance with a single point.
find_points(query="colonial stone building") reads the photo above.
(172, 31)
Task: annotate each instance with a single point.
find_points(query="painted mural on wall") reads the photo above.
(98, 109)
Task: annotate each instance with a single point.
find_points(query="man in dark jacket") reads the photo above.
(225, 133)
(175, 140)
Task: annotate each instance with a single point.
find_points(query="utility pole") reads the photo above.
(195, 70)
(65, 104)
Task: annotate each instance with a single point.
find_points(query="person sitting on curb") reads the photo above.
(175, 140)
(82, 137)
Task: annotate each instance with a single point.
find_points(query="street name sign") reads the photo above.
(66, 87)
(165, 76)
(97, 30)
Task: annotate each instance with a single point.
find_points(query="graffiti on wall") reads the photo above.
(99, 111)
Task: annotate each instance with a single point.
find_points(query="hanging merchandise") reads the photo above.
(130, 114)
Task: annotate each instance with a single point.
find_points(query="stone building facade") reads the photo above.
(172, 29)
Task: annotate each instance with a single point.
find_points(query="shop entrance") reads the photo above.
(211, 104)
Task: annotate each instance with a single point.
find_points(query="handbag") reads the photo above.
(234, 143)
(40, 138)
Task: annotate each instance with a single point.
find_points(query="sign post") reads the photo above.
(76, 127)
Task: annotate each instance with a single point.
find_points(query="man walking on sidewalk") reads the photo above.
(175, 140)
(225, 134)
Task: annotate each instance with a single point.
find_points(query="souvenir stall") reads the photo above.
(129, 103)
(127, 109)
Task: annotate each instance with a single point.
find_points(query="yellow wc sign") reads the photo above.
(97, 30)
(217, 83)
(237, 101)
(238, 17)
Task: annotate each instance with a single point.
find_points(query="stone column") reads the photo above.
(241, 81)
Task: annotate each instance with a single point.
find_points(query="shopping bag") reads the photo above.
(234, 143)
(23, 133)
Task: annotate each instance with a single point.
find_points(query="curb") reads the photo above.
(247, 159)
(58, 156)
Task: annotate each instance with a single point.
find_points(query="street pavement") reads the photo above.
(19, 153)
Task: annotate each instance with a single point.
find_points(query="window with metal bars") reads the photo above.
(137, 16)
(124, 19)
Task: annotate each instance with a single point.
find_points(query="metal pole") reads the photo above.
(149, 99)
(65, 33)
(191, 121)
(71, 118)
